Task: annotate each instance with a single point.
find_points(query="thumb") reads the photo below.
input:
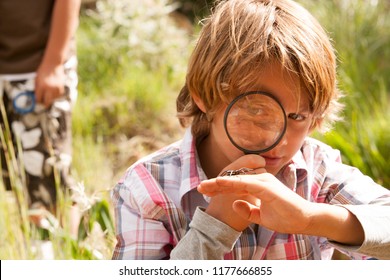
(247, 211)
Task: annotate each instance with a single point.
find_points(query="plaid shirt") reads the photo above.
(156, 199)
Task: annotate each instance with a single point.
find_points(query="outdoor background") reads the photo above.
(132, 62)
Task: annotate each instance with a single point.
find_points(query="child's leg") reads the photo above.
(45, 136)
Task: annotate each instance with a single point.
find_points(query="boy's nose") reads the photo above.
(283, 141)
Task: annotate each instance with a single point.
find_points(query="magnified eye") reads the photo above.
(254, 111)
(296, 117)
(255, 122)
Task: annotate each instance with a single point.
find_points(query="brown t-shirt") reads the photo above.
(24, 31)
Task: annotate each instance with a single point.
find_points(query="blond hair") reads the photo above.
(239, 39)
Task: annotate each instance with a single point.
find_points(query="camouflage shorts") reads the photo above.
(45, 136)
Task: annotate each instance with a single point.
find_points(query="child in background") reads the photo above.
(38, 86)
(293, 199)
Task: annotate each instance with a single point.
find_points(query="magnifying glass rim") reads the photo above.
(246, 151)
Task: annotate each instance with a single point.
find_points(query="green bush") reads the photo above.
(361, 33)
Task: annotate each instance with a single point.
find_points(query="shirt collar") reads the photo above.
(192, 172)
(294, 172)
(300, 166)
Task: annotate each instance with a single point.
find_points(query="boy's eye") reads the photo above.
(296, 117)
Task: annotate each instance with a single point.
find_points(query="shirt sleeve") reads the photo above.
(207, 239)
(370, 203)
(140, 230)
(375, 221)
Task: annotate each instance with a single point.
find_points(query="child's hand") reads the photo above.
(276, 207)
(220, 206)
(49, 84)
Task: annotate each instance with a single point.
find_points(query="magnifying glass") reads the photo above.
(255, 122)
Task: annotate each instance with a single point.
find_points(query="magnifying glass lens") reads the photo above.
(255, 122)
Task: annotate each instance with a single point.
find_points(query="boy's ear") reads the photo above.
(199, 103)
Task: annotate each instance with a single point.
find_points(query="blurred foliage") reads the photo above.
(195, 9)
(360, 31)
(131, 70)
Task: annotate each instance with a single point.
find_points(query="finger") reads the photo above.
(241, 184)
(51, 94)
(252, 184)
(212, 187)
(258, 171)
(247, 210)
(38, 91)
(49, 98)
(46, 99)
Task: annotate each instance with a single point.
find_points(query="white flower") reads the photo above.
(81, 199)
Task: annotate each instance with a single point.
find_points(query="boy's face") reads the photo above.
(286, 88)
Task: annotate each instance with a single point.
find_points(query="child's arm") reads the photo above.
(207, 239)
(284, 211)
(140, 232)
(50, 80)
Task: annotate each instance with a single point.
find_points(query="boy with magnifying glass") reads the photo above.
(261, 78)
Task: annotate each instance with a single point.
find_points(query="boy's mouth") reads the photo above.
(272, 161)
